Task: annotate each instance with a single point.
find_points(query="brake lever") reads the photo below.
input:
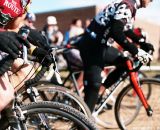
(55, 67)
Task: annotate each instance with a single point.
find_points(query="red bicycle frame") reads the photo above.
(137, 88)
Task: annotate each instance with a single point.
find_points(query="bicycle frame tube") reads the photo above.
(73, 78)
(111, 91)
(136, 85)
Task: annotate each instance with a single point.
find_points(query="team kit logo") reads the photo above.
(10, 10)
(13, 6)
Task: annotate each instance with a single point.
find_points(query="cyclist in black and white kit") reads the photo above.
(96, 53)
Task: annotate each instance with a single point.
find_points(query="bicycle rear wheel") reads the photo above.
(129, 112)
(52, 115)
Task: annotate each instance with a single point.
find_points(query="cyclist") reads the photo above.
(12, 12)
(30, 19)
(96, 53)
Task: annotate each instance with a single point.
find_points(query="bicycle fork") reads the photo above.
(137, 88)
(33, 95)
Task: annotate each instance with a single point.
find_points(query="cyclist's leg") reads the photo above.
(7, 84)
(6, 92)
(92, 82)
(21, 72)
(92, 56)
(114, 57)
(113, 77)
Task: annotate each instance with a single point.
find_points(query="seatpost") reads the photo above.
(137, 88)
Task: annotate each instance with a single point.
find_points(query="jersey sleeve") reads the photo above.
(117, 33)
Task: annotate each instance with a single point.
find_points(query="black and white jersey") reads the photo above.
(122, 10)
(113, 21)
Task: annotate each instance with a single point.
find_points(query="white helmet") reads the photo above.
(51, 20)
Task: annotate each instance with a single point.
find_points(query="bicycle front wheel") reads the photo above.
(129, 112)
(55, 93)
(52, 115)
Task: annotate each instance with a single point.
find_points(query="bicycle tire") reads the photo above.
(51, 88)
(136, 121)
(60, 109)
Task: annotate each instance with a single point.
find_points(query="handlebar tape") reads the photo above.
(39, 75)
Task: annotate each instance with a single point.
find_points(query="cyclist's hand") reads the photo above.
(143, 56)
(5, 64)
(147, 47)
(38, 39)
(42, 56)
(10, 44)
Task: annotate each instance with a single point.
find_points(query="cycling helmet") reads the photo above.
(10, 9)
(31, 17)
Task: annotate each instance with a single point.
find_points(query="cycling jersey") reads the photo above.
(112, 22)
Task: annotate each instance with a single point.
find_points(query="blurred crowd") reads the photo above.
(52, 31)
(56, 38)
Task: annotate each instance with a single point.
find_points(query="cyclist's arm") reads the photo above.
(122, 16)
(129, 33)
(119, 36)
(38, 39)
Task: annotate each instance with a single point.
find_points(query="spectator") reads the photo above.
(87, 22)
(53, 34)
(75, 29)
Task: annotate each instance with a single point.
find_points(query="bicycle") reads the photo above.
(44, 114)
(106, 101)
(46, 91)
(39, 114)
